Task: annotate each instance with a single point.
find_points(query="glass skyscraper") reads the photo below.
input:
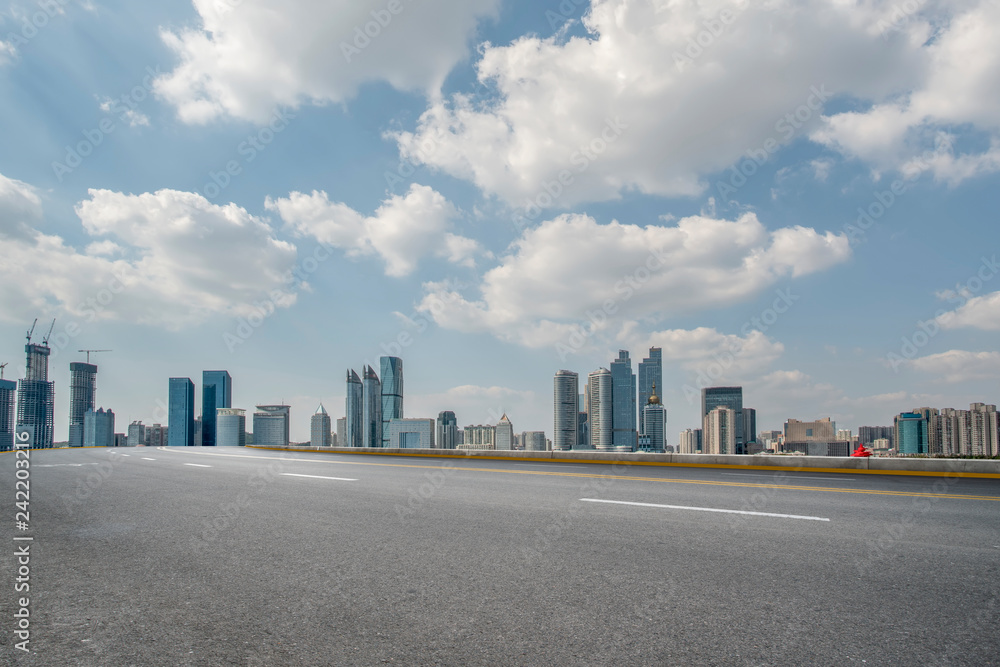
(320, 428)
(650, 373)
(392, 393)
(271, 425)
(447, 430)
(354, 414)
(82, 388)
(180, 413)
(599, 402)
(7, 389)
(36, 397)
(371, 404)
(726, 397)
(216, 392)
(565, 407)
(623, 401)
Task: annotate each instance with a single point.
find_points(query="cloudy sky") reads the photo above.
(798, 197)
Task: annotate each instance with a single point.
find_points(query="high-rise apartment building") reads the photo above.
(371, 427)
(180, 413)
(727, 397)
(650, 372)
(720, 428)
(271, 425)
(623, 419)
(320, 428)
(7, 397)
(98, 428)
(599, 387)
(689, 441)
(36, 397)
(137, 434)
(447, 430)
(230, 427)
(341, 440)
(566, 410)
(216, 392)
(354, 419)
(392, 392)
(82, 389)
(158, 435)
(505, 434)
(479, 437)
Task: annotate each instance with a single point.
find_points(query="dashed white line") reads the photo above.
(146, 458)
(338, 479)
(705, 509)
(197, 465)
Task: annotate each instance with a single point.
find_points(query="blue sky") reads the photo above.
(476, 177)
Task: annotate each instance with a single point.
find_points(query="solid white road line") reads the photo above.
(338, 479)
(704, 509)
(197, 465)
(790, 476)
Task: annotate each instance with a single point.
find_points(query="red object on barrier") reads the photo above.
(861, 451)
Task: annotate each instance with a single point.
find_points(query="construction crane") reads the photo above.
(45, 341)
(89, 351)
(2, 366)
(32, 330)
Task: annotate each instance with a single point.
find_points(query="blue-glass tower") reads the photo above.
(180, 413)
(650, 373)
(392, 393)
(623, 409)
(371, 409)
(216, 392)
(354, 414)
(911, 433)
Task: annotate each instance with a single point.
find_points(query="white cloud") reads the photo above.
(956, 366)
(685, 111)
(247, 58)
(20, 208)
(981, 312)
(571, 270)
(474, 404)
(403, 229)
(180, 260)
(131, 116)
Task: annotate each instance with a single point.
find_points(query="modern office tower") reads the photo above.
(354, 411)
(82, 385)
(689, 441)
(869, 434)
(749, 427)
(7, 389)
(650, 373)
(447, 430)
(460, 437)
(216, 392)
(654, 415)
(36, 397)
(271, 425)
(137, 434)
(582, 431)
(392, 392)
(158, 436)
(99, 428)
(198, 426)
(565, 408)
(230, 427)
(911, 433)
(371, 418)
(932, 417)
(410, 434)
(533, 441)
(180, 413)
(505, 434)
(623, 418)
(599, 385)
(341, 433)
(720, 427)
(320, 428)
(479, 437)
(728, 397)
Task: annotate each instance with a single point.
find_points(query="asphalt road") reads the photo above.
(248, 557)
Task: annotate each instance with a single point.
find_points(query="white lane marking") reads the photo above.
(63, 465)
(197, 465)
(146, 458)
(126, 455)
(338, 479)
(705, 509)
(790, 476)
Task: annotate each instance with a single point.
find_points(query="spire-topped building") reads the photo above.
(320, 428)
(354, 414)
(371, 419)
(654, 416)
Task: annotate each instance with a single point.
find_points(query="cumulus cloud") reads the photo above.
(715, 357)
(20, 208)
(981, 312)
(956, 366)
(573, 270)
(404, 229)
(167, 258)
(244, 58)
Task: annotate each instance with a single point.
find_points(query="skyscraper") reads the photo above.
(216, 392)
(650, 373)
(371, 409)
(505, 434)
(533, 441)
(98, 428)
(7, 389)
(911, 433)
(137, 434)
(180, 413)
(654, 415)
(623, 420)
(36, 397)
(749, 428)
(729, 397)
(565, 407)
(271, 425)
(601, 414)
(230, 427)
(392, 393)
(354, 411)
(447, 430)
(82, 389)
(720, 430)
(320, 428)
(341, 439)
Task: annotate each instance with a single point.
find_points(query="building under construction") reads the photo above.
(36, 396)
